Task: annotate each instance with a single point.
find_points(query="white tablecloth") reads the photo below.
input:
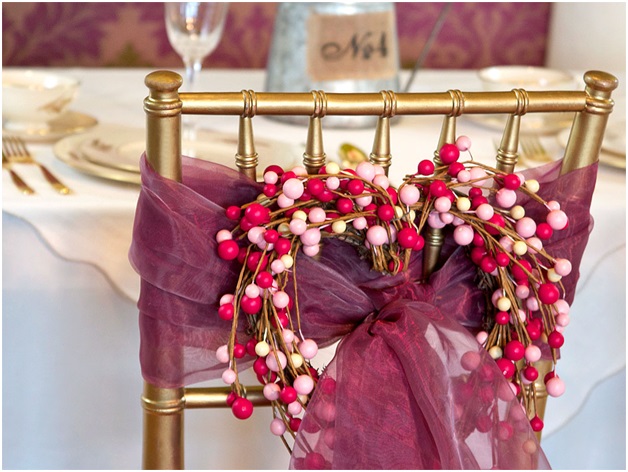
(69, 316)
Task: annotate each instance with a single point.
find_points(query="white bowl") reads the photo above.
(530, 78)
(31, 99)
(526, 77)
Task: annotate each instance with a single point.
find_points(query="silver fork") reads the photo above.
(533, 150)
(16, 151)
(17, 180)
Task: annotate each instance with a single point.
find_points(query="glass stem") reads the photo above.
(189, 124)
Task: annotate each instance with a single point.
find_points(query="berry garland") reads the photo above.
(296, 211)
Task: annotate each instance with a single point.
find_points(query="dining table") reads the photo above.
(71, 380)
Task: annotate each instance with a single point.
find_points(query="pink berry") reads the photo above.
(280, 299)
(222, 354)
(532, 353)
(485, 211)
(242, 408)
(409, 194)
(506, 198)
(276, 361)
(449, 153)
(463, 235)
(366, 170)
(522, 291)
(555, 387)
(277, 427)
(562, 267)
(463, 143)
(377, 235)
(228, 250)
(442, 204)
(311, 237)
(470, 360)
(526, 227)
(308, 348)
(303, 384)
(557, 219)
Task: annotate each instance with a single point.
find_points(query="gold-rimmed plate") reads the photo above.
(113, 152)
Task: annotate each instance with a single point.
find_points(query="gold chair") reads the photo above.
(164, 407)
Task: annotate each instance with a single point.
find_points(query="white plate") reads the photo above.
(613, 151)
(113, 152)
(70, 123)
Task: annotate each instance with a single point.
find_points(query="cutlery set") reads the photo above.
(14, 151)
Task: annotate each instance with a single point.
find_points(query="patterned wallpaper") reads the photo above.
(102, 34)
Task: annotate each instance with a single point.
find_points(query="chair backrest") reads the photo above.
(165, 105)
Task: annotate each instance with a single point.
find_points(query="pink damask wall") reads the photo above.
(133, 35)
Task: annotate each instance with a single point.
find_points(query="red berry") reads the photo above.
(260, 367)
(426, 167)
(295, 423)
(344, 205)
(477, 253)
(242, 408)
(536, 423)
(393, 195)
(518, 273)
(245, 224)
(531, 373)
(306, 197)
(355, 187)
(533, 331)
(475, 192)
(251, 305)
(419, 244)
(512, 182)
(514, 350)
(478, 240)
(231, 398)
(226, 311)
(257, 214)
(325, 196)
(391, 266)
(282, 246)
(549, 375)
(438, 188)
(555, 339)
(506, 367)
(314, 461)
(274, 168)
(497, 220)
(502, 259)
(270, 190)
(484, 424)
(502, 318)
(250, 347)
(283, 320)
(288, 395)
(315, 186)
(544, 231)
(233, 212)
(228, 250)
(449, 153)
(239, 351)
(271, 236)
(488, 264)
(548, 293)
(264, 279)
(287, 176)
(477, 201)
(407, 238)
(253, 261)
(455, 168)
(386, 212)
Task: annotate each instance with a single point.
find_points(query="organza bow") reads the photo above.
(409, 386)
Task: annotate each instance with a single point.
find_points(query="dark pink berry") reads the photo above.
(242, 408)
(288, 395)
(270, 190)
(548, 293)
(282, 246)
(233, 212)
(355, 187)
(555, 339)
(537, 424)
(239, 351)
(419, 244)
(449, 153)
(426, 167)
(264, 279)
(514, 350)
(531, 373)
(250, 305)
(502, 259)
(315, 187)
(226, 311)
(506, 367)
(228, 250)
(407, 238)
(386, 212)
(257, 214)
(455, 168)
(544, 231)
(344, 205)
(502, 318)
(512, 182)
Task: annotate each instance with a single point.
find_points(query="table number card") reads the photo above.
(348, 47)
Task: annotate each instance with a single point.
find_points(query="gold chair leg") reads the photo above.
(163, 428)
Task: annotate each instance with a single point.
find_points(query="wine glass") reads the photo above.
(194, 30)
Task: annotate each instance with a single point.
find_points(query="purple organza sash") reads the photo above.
(396, 394)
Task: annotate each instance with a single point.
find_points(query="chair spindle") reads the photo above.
(314, 157)
(246, 157)
(380, 154)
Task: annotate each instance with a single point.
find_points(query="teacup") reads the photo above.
(32, 99)
(530, 78)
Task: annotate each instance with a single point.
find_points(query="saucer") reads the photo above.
(69, 123)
